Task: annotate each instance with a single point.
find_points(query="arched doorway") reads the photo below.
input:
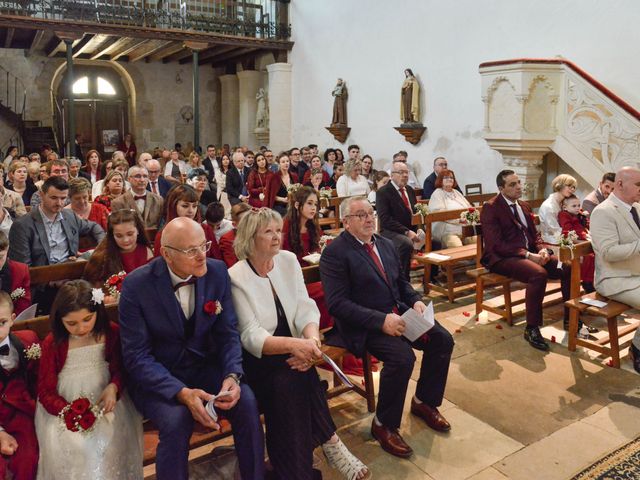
(100, 105)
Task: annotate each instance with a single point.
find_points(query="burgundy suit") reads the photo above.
(20, 279)
(17, 408)
(505, 249)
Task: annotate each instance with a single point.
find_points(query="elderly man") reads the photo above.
(615, 234)
(601, 193)
(157, 183)
(148, 204)
(237, 177)
(368, 320)
(429, 185)
(401, 156)
(180, 344)
(53, 168)
(143, 159)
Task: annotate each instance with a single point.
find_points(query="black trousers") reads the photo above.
(296, 413)
(398, 358)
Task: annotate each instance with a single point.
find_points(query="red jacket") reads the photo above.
(20, 279)
(257, 184)
(226, 247)
(273, 185)
(209, 234)
(570, 222)
(19, 393)
(53, 359)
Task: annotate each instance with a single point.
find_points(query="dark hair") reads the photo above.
(249, 152)
(353, 146)
(409, 70)
(341, 155)
(291, 151)
(11, 147)
(445, 173)
(58, 183)
(379, 175)
(196, 172)
(185, 193)
(293, 218)
(222, 167)
(566, 199)
(5, 299)
(312, 145)
(255, 163)
(73, 296)
(59, 162)
(502, 176)
(105, 260)
(214, 213)
(609, 177)
(211, 145)
(237, 210)
(327, 152)
(103, 166)
(4, 241)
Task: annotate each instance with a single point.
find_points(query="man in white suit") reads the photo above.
(615, 233)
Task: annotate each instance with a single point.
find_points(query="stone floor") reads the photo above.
(516, 413)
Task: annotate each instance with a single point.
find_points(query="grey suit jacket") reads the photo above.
(28, 241)
(152, 212)
(616, 242)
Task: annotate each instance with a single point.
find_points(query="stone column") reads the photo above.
(527, 166)
(249, 81)
(196, 48)
(280, 106)
(229, 106)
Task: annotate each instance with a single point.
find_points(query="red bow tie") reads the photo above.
(139, 197)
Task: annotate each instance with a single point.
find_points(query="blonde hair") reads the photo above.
(245, 242)
(562, 181)
(350, 165)
(16, 165)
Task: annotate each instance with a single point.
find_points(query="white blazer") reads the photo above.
(256, 307)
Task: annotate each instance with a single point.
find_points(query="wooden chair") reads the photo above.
(473, 189)
(479, 199)
(576, 308)
(312, 275)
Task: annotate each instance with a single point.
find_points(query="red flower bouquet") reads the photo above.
(80, 415)
(113, 285)
(470, 217)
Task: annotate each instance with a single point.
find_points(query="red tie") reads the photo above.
(369, 248)
(405, 199)
(139, 197)
(154, 187)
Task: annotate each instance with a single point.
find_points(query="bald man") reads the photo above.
(237, 177)
(180, 345)
(615, 234)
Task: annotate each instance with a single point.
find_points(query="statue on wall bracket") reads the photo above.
(262, 117)
(339, 128)
(411, 128)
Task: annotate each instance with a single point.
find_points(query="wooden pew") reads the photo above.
(59, 271)
(576, 308)
(311, 274)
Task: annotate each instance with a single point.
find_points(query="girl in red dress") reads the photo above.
(276, 195)
(572, 217)
(124, 248)
(257, 182)
(182, 201)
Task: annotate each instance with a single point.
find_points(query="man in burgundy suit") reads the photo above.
(18, 442)
(513, 247)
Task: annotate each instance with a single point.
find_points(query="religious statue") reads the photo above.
(339, 104)
(410, 99)
(262, 114)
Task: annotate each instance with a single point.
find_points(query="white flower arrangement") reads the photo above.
(97, 296)
(325, 193)
(471, 216)
(324, 241)
(18, 293)
(422, 209)
(568, 240)
(34, 352)
(293, 188)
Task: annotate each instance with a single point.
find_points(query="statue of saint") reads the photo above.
(410, 99)
(339, 104)
(262, 114)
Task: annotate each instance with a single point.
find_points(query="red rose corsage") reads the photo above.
(212, 307)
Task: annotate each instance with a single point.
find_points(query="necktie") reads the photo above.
(179, 285)
(514, 209)
(139, 197)
(4, 349)
(154, 187)
(369, 248)
(634, 214)
(405, 199)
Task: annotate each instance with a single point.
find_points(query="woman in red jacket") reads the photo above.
(277, 196)
(14, 278)
(257, 182)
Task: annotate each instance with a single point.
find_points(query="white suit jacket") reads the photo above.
(255, 305)
(616, 242)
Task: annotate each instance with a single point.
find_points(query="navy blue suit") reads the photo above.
(163, 186)
(359, 298)
(161, 358)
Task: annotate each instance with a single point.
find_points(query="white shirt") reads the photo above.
(347, 187)
(141, 201)
(185, 295)
(9, 362)
(549, 227)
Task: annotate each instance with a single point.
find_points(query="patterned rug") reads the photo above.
(622, 464)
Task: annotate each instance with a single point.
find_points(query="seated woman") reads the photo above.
(226, 241)
(79, 193)
(338, 171)
(316, 164)
(352, 182)
(380, 179)
(257, 182)
(20, 182)
(277, 196)
(301, 235)
(329, 160)
(563, 186)
(112, 188)
(125, 248)
(446, 197)
(368, 171)
(93, 166)
(197, 178)
(14, 278)
(181, 201)
(278, 325)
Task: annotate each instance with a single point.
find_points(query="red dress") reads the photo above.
(104, 200)
(99, 214)
(20, 279)
(135, 259)
(226, 248)
(209, 234)
(579, 225)
(257, 184)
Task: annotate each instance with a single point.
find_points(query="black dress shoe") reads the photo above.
(634, 353)
(535, 339)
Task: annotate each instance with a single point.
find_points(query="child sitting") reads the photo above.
(80, 371)
(572, 218)
(19, 352)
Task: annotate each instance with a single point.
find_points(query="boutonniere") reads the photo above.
(212, 307)
(18, 293)
(34, 352)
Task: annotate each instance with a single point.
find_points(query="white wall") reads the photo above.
(370, 42)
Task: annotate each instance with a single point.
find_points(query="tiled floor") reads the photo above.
(516, 413)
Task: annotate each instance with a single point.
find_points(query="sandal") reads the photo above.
(340, 458)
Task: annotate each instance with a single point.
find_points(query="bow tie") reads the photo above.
(5, 349)
(139, 197)
(178, 285)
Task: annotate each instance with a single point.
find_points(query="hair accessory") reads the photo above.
(97, 296)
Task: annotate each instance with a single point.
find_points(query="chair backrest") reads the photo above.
(151, 234)
(311, 274)
(473, 189)
(573, 256)
(430, 218)
(59, 271)
(479, 199)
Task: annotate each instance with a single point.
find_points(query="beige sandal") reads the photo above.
(340, 458)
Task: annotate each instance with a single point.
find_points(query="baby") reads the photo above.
(572, 217)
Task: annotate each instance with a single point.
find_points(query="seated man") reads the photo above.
(237, 177)
(157, 183)
(429, 185)
(54, 168)
(147, 204)
(180, 344)
(366, 293)
(513, 247)
(615, 234)
(600, 194)
(401, 156)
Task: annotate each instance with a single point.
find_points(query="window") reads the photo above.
(105, 88)
(81, 86)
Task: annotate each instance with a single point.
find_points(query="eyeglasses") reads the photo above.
(193, 252)
(401, 172)
(364, 215)
(139, 176)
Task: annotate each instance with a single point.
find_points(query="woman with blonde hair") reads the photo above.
(112, 188)
(352, 182)
(563, 187)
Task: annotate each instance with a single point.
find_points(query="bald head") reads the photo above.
(627, 184)
(184, 247)
(181, 232)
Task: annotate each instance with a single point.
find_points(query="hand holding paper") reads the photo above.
(416, 324)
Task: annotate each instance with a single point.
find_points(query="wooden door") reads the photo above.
(111, 125)
(85, 124)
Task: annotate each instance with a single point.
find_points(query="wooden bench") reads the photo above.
(576, 308)
(59, 271)
(456, 255)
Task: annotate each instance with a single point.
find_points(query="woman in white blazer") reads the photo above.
(278, 325)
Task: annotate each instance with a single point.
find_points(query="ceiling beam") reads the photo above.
(108, 46)
(9, 38)
(136, 43)
(237, 55)
(150, 50)
(205, 57)
(83, 44)
(183, 53)
(37, 38)
(169, 50)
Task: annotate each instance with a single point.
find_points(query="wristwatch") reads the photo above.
(236, 377)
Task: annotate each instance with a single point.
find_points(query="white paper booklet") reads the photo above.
(416, 324)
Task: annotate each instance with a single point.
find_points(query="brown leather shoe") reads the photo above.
(431, 416)
(390, 441)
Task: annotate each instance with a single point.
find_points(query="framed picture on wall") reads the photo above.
(110, 139)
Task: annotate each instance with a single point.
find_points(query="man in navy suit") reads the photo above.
(180, 344)
(366, 293)
(237, 177)
(157, 183)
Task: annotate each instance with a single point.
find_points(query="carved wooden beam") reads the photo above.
(412, 134)
(129, 48)
(84, 44)
(9, 38)
(205, 57)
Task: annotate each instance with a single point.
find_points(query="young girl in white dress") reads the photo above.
(81, 359)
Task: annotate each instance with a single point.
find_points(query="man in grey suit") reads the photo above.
(615, 234)
(147, 204)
